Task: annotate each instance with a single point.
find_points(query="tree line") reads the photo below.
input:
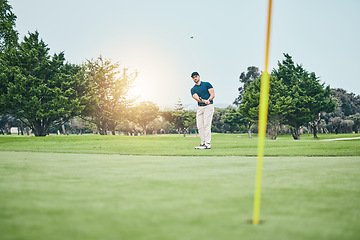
(297, 102)
(45, 93)
(40, 90)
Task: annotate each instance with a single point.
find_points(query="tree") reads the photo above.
(6, 122)
(279, 104)
(347, 108)
(356, 119)
(8, 40)
(180, 118)
(79, 126)
(308, 96)
(232, 120)
(39, 89)
(336, 124)
(347, 103)
(184, 120)
(144, 114)
(110, 86)
(219, 116)
(347, 126)
(246, 79)
(8, 34)
(190, 122)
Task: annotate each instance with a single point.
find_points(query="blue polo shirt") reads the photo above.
(202, 91)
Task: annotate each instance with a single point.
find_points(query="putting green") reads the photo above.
(94, 196)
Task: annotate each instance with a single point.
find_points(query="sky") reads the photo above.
(165, 40)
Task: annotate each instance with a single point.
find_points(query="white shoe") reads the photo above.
(202, 146)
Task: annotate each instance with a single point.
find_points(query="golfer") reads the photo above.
(203, 93)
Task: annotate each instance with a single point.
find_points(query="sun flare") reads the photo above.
(136, 92)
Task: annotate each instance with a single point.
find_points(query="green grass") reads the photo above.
(160, 188)
(176, 145)
(94, 196)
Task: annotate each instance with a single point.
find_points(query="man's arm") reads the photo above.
(212, 94)
(197, 98)
(206, 101)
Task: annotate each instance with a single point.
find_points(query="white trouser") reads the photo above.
(204, 117)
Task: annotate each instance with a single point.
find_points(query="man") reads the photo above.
(203, 93)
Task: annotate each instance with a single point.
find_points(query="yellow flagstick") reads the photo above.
(263, 112)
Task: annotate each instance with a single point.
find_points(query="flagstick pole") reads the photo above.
(263, 113)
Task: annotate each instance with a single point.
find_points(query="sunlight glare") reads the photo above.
(136, 92)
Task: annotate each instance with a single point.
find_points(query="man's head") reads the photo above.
(196, 77)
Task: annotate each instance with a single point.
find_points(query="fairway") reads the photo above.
(96, 196)
(176, 145)
(110, 128)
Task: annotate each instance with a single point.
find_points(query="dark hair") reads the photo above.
(195, 74)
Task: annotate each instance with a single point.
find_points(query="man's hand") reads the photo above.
(199, 99)
(207, 102)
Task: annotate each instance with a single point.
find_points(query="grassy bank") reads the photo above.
(176, 145)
